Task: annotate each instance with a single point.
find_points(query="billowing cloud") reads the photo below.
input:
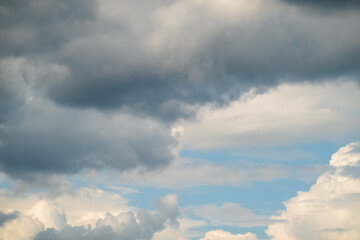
(330, 209)
(83, 87)
(127, 226)
(222, 235)
(39, 136)
(28, 225)
(178, 54)
(47, 219)
(82, 207)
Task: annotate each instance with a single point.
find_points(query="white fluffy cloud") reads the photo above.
(83, 207)
(47, 218)
(288, 113)
(330, 210)
(22, 228)
(222, 235)
(49, 213)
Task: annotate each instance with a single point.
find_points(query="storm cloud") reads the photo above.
(324, 5)
(44, 138)
(162, 59)
(99, 84)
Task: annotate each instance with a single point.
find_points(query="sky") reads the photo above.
(179, 120)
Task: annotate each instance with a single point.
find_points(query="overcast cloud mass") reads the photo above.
(232, 106)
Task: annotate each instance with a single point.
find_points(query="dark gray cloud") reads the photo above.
(44, 138)
(149, 59)
(326, 5)
(40, 26)
(157, 60)
(7, 217)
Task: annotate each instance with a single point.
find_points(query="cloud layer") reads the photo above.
(177, 54)
(286, 114)
(98, 85)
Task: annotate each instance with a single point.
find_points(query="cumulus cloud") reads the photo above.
(49, 213)
(330, 209)
(222, 235)
(127, 225)
(21, 228)
(82, 207)
(60, 219)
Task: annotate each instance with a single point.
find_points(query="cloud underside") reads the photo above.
(325, 5)
(177, 54)
(96, 86)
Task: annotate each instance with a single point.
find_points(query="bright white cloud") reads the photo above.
(330, 210)
(47, 219)
(222, 235)
(83, 207)
(288, 113)
(49, 213)
(22, 228)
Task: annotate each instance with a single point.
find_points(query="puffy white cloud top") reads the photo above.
(47, 218)
(330, 209)
(347, 156)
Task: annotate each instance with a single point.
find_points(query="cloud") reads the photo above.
(330, 209)
(49, 213)
(222, 235)
(230, 214)
(6, 217)
(61, 219)
(185, 230)
(42, 137)
(178, 54)
(127, 226)
(82, 207)
(98, 87)
(192, 172)
(287, 114)
(331, 5)
(28, 225)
